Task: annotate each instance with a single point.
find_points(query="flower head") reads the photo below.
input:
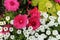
(11, 5)
(20, 21)
(34, 12)
(34, 22)
(57, 1)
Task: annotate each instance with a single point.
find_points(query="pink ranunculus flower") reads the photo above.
(58, 1)
(11, 5)
(20, 21)
(34, 22)
(35, 12)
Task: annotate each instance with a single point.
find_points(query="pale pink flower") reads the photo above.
(11, 5)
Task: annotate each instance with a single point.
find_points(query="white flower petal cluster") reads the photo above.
(55, 32)
(12, 37)
(18, 31)
(11, 22)
(5, 28)
(2, 23)
(11, 29)
(52, 38)
(7, 18)
(48, 32)
(6, 36)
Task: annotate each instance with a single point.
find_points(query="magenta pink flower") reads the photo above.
(35, 12)
(34, 22)
(20, 21)
(58, 1)
(11, 5)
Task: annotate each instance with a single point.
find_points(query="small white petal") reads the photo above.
(11, 29)
(55, 32)
(43, 21)
(30, 28)
(36, 34)
(18, 31)
(45, 15)
(12, 36)
(5, 28)
(52, 17)
(8, 34)
(58, 36)
(42, 29)
(48, 32)
(56, 24)
(7, 18)
(11, 22)
(2, 23)
(43, 35)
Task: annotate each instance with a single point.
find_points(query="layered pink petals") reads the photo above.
(11, 5)
(34, 22)
(20, 21)
(35, 12)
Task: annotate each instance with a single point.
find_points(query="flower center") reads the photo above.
(33, 23)
(20, 21)
(12, 3)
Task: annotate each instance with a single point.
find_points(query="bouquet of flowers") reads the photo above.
(29, 19)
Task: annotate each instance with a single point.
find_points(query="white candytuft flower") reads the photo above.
(36, 34)
(48, 32)
(2, 23)
(5, 28)
(56, 24)
(6, 35)
(42, 29)
(43, 35)
(32, 32)
(52, 38)
(11, 29)
(26, 33)
(18, 31)
(55, 32)
(7, 18)
(11, 22)
(58, 37)
(30, 28)
(51, 23)
(43, 21)
(45, 15)
(12, 36)
(52, 18)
